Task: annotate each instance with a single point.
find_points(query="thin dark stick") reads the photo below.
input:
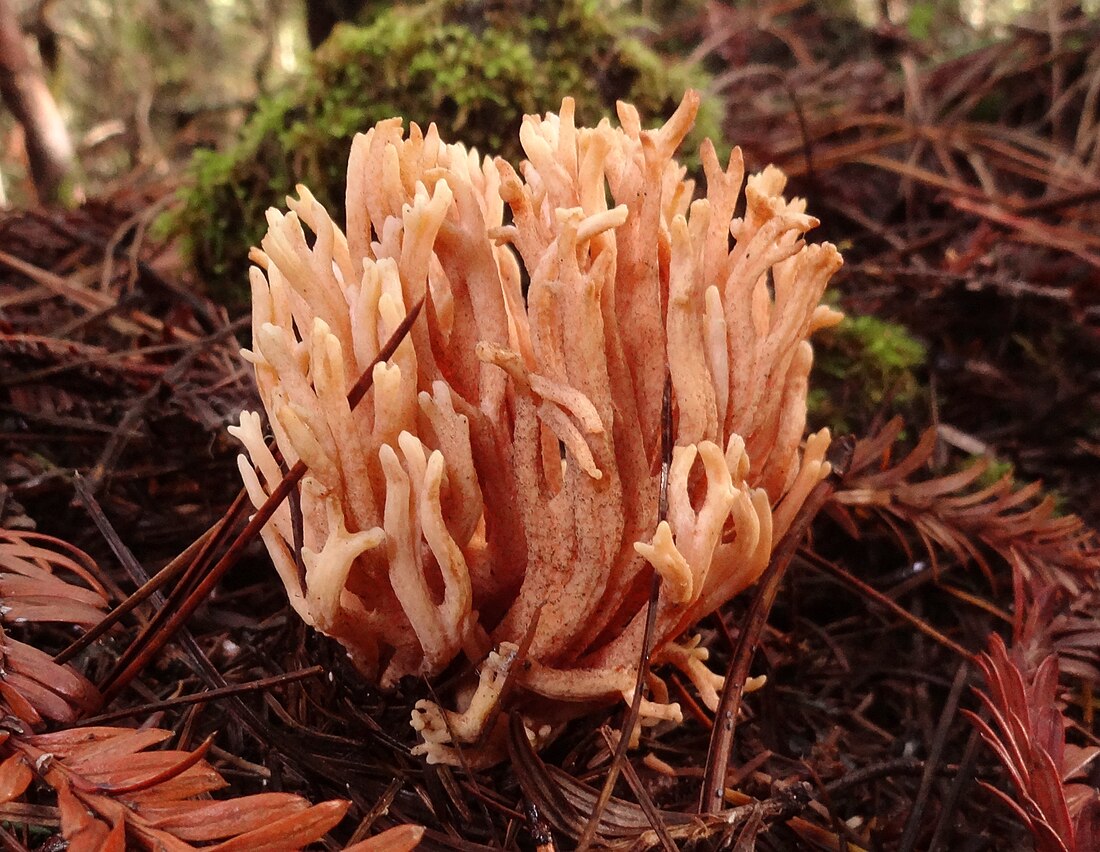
(914, 823)
(199, 662)
(644, 799)
(841, 830)
(203, 697)
(121, 676)
(870, 592)
(884, 769)
(193, 566)
(647, 640)
(380, 807)
(10, 841)
(510, 677)
(189, 578)
(118, 547)
(729, 705)
(164, 575)
(963, 777)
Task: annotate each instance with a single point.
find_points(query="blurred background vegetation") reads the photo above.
(142, 83)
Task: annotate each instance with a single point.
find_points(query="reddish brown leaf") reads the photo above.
(401, 838)
(44, 608)
(45, 701)
(1046, 788)
(110, 772)
(15, 777)
(196, 781)
(291, 832)
(116, 841)
(198, 820)
(19, 706)
(32, 553)
(1077, 759)
(80, 746)
(1027, 733)
(63, 681)
(47, 585)
(1088, 826)
(79, 826)
(119, 814)
(953, 514)
(97, 767)
(1078, 798)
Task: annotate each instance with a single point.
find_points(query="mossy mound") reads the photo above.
(863, 368)
(474, 67)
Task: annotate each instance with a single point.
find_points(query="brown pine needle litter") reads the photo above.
(204, 713)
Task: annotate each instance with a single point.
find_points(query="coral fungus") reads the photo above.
(499, 487)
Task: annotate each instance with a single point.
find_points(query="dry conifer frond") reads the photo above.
(1073, 631)
(110, 786)
(959, 515)
(44, 580)
(1027, 733)
(1050, 620)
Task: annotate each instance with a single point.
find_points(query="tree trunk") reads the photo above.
(24, 90)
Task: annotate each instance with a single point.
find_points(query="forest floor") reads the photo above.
(966, 200)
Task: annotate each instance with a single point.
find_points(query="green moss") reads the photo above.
(997, 470)
(474, 67)
(860, 366)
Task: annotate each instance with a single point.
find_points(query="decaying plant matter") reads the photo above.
(112, 789)
(1027, 733)
(1053, 560)
(499, 489)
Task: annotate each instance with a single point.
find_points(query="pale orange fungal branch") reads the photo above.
(499, 486)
